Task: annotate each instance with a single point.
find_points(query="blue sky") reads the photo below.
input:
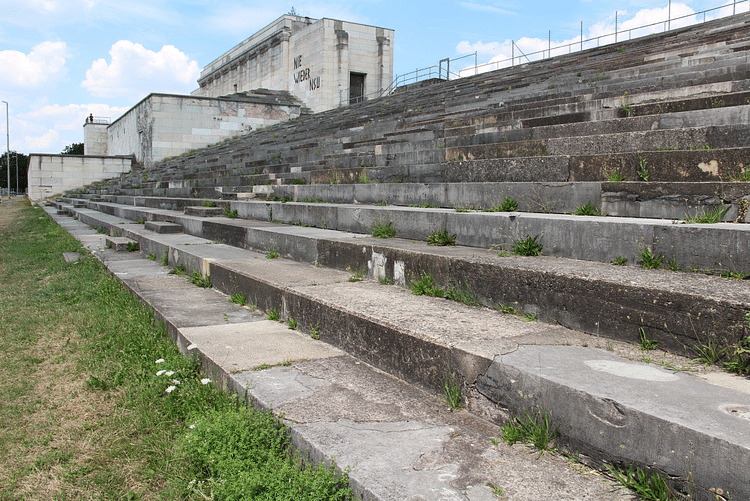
(61, 60)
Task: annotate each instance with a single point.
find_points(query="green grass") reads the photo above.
(531, 429)
(381, 230)
(231, 214)
(509, 204)
(711, 215)
(105, 426)
(426, 286)
(272, 253)
(199, 279)
(441, 238)
(646, 486)
(178, 270)
(238, 298)
(463, 294)
(587, 210)
(151, 257)
(273, 315)
(208, 203)
(132, 247)
(615, 176)
(649, 261)
(528, 246)
(452, 392)
(620, 261)
(646, 344)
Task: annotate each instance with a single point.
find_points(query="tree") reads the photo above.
(73, 149)
(23, 168)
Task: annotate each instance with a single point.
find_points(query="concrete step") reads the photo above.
(613, 301)
(690, 428)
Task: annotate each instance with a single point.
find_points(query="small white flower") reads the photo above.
(192, 427)
(205, 380)
(159, 361)
(161, 372)
(174, 381)
(192, 346)
(169, 373)
(169, 390)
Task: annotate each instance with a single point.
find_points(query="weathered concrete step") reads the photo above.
(595, 397)
(677, 309)
(163, 227)
(121, 244)
(678, 166)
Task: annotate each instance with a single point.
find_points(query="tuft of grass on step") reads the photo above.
(383, 230)
(441, 238)
(528, 246)
(426, 286)
(509, 204)
(711, 215)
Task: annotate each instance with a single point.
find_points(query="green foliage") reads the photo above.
(73, 149)
(272, 253)
(151, 257)
(164, 260)
(426, 286)
(247, 455)
(238, 298)
(201, 280)
(708, 352)
(298, 180)
(740, 357)
(646, 344)
(452, 392)
(620, 261)
(363, 179)
(382, 203)
(101, 231)
(292, 323)
(527, 246)
(673, 265)
(463, 294)
(649, 487)
(315, 331)
(132, 247)
(208, 203)
(381, 230)
(231, 214)
(709, 215)
(643, 172)
(531, 429)
(614, 176)
(649, 261)
(273, 315)
(178, 270)
(587, 210)
(743, 176)
(507, 205)
(441, 238)
(358, 274)
(507, 309)
(140, 221)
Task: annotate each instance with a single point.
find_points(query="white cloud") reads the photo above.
(42, 143)
(49, 128)
(44, 66)
(135, 71)
(485, 8)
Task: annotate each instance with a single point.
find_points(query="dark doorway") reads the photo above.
(356, 87)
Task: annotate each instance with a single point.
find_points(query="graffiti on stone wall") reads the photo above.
(303, 74)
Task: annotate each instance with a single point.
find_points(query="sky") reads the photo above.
(61, 60)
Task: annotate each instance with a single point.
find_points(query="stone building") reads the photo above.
(324, 63)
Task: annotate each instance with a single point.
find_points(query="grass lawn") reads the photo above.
(86, 412)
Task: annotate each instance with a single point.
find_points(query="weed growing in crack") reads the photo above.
(708, 352)
(231, 214)
(646, 344)
(649, 261)
(199, 279)
(507, 205)
(620, 261)
(178, 270)
(164, 260)
(463, 294)
(292, 323)
(272, 253)
(151, 257)
(315, 331)
(381, 230)
(273, 315)
(441, 238)
(710, 215)
(426, 286)
(238, 298)
(452, 393)
(646, 486)
(357, 275)
(133, 247)
(535, 430)
(528, 246)
(587, 210)
(673, 265)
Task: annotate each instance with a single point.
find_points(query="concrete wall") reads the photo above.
(312, 59)
(164, 125)
(52, 174)
(95, 139)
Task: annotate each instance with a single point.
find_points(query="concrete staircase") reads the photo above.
(669, 113)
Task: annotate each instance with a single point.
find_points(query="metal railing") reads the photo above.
(594, 41)
(91, 119)
(443, 72)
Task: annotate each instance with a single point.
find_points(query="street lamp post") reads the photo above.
(7, 137)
